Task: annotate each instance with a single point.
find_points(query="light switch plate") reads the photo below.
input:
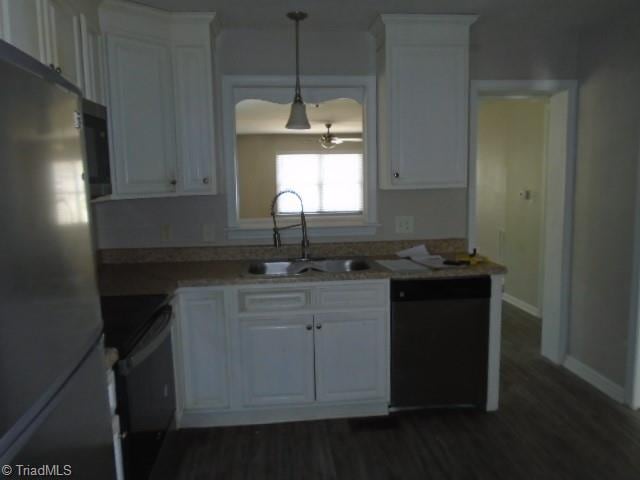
(404, 224)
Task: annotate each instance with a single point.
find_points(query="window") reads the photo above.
(327, 183)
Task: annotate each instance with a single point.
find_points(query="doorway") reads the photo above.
(532, 209)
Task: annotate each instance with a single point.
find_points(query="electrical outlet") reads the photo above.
(208, 232)
(404, 224)
(165, 232)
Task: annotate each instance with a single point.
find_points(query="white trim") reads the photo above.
(5, 25)
(359, 87)
(495, 333)
(632, 383)
(594, 378)
(284, 413)
(329, 231)
(555, 330)
(522, 305)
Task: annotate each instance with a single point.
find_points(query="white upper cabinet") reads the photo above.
(22, 24)
(160, 70)
(193, 72)
(423, 97)
(60, 36)
(92, 61)
(141, 113)
(64, 51)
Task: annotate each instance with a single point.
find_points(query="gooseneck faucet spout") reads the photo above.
(277, 242)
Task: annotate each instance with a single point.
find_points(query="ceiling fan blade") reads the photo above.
(351, 139)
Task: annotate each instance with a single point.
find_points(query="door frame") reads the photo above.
(555, 330)
(632, 383)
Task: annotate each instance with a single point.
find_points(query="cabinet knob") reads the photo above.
(205, 180)
(319, 326)
(309, 327)
(173, 182)
(396, 175)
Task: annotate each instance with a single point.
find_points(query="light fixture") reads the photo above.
(329, 140)
(298, 118)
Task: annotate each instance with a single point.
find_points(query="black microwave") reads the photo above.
(94, 118)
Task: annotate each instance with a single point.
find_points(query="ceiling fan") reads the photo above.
(329, 140)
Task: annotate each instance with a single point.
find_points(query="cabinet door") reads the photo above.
(22, 24)
(64, 51)
(141, 116)
(277, 360)
(428, 116)
(194, 117)
(92, 61)
(351, 356)
(202, 360)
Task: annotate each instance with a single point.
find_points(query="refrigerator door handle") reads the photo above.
(138, 356)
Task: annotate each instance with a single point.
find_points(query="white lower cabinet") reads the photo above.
(319, 357)
(201, 350)
(277, 360)
(350, 355)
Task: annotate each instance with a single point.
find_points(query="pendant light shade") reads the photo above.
(298, 118)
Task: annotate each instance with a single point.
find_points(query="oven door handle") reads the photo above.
(126, 365)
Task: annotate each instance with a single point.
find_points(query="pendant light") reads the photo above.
(298, 118)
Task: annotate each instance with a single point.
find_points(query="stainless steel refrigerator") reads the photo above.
(54, 410)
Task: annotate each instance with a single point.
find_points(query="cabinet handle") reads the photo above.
(396, 175)
(205, 180)
(309, 327)
(173, 182)
(319, 326)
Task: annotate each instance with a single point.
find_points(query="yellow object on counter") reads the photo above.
(472, 259)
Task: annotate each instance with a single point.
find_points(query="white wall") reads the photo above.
(497, 51)
(608, 129)
(511, 151)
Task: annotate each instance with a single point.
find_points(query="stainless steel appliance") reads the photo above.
(439, 342)
(96, 138)
(139, 326)
(54, 411)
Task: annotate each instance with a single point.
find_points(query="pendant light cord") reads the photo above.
(298, 96)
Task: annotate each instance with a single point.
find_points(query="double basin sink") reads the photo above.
(298, 267)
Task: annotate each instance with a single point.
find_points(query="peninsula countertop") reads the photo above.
(166, 277)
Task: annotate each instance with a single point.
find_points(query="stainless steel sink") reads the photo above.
(298, 267)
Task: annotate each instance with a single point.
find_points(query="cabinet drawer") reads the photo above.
(367, 295)
(273, 300)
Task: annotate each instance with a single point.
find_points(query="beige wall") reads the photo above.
(608, 130)
(511, 151)
(256, 159)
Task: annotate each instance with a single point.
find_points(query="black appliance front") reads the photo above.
(140, 327)
(96, 139)
(439, 342)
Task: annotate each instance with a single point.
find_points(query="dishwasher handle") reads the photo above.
(440, 289)
(156, 335)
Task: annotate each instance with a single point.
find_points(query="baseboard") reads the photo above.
(594, 378)
(257, 416)
(524, 306)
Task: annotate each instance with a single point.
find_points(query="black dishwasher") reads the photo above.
(439, 342)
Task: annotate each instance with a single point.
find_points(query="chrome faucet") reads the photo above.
(303, 225)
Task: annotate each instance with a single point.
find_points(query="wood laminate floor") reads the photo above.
(551, 425)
